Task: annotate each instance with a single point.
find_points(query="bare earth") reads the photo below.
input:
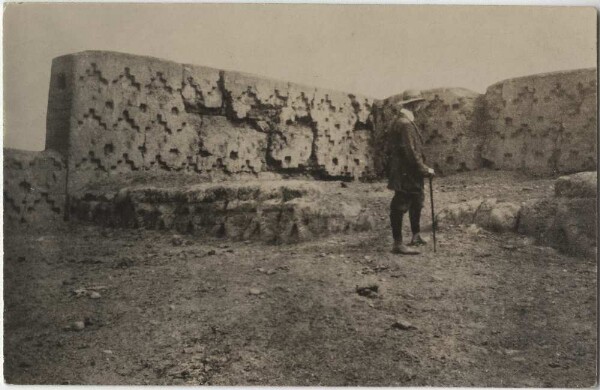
(485, 310)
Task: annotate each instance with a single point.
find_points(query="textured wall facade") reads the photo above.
(112, 113)
(543, 123)
(34, 187)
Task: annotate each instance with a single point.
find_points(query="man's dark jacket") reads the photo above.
(406, 162)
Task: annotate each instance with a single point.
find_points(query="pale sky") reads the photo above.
(373, 50)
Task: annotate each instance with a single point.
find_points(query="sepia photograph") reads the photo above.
(300, 195)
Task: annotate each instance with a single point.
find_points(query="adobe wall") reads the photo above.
(116, 117)
(113, 113)
(34, 187)
(544, 123)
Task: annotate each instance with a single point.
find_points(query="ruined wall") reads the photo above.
(280, 211)
(34, 188)
(111, 113)
(448, 123)
(113, 116)
(543, 123)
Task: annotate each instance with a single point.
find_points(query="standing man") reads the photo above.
(406, 171)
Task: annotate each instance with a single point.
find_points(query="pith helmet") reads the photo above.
(411, 95)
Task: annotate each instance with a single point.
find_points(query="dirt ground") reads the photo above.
(485, 310)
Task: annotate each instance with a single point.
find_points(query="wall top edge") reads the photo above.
(536, 76)
(232, 74)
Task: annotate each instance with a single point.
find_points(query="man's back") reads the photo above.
(406, 161)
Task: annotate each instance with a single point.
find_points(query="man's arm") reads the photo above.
(411, 151)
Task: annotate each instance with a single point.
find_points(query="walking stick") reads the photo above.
(432, 212)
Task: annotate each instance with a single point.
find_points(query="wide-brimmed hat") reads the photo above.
(411, 95)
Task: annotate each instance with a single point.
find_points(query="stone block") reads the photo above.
(578, 185)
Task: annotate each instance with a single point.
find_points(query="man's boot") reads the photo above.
(417, 240)
(402, 249)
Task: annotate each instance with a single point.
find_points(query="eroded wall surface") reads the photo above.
(543, 123)
(34, 187)
(113, 113)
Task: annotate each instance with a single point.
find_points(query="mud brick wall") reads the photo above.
(112, 113)
(449, 127)
(34, 188)
(544, 123)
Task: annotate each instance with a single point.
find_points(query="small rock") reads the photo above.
(107, 351)
(79, 292)
(176, 240)
(172, 307)
(436, 279)
(95, 295)
(474, 229)
(343, 185)
(511, 352)
(323, 255)
(255, 291)
(211, 252)
(78, 325)
(370, 291)
(508, 246)
(367, 258)
(262, 270)
(403, 324)
(271, 272)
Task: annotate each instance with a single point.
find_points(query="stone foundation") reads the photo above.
(273, 212)
(566, 221)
